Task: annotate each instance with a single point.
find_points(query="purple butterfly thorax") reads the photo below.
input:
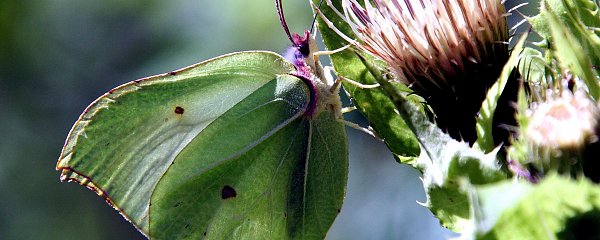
(298, 52)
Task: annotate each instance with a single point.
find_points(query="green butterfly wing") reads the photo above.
(221, 149)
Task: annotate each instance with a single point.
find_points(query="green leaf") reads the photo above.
(485, 140)
(221, 149)
(556, 208)
(446, 199)
(580, 17)
(571, 55)
(569, 27)
(372, 103)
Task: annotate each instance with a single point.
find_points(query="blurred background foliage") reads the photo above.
(58, 56)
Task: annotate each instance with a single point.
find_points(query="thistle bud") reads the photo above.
(449, 52)
(560, 129)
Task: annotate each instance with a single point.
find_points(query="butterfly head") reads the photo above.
(300, 52)
(302, 55)
(301, 43)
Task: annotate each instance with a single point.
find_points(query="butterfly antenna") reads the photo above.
(282, 19)
(312, 25)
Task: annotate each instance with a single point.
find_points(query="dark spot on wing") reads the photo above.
(172, 73)
(179, 110)
(187, 225)
(228, 192)
(204, 233)
(339, 210)
(177, 205)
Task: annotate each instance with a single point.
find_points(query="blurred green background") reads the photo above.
(58, 56)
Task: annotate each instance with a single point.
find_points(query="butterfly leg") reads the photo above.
(342, 78)
(359, 128)
(359, 85)
(321, 53)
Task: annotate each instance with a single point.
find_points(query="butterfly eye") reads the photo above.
(303, 48)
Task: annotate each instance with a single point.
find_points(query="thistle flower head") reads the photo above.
(429, 40)
(448, 51)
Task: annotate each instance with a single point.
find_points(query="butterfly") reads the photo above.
(248, 144)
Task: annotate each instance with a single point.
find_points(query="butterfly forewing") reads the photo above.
(126, 140)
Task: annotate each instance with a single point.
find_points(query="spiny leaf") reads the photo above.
(571, 55)
(556, 208)
(571, 29)
(444, 161)
(532, 66)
